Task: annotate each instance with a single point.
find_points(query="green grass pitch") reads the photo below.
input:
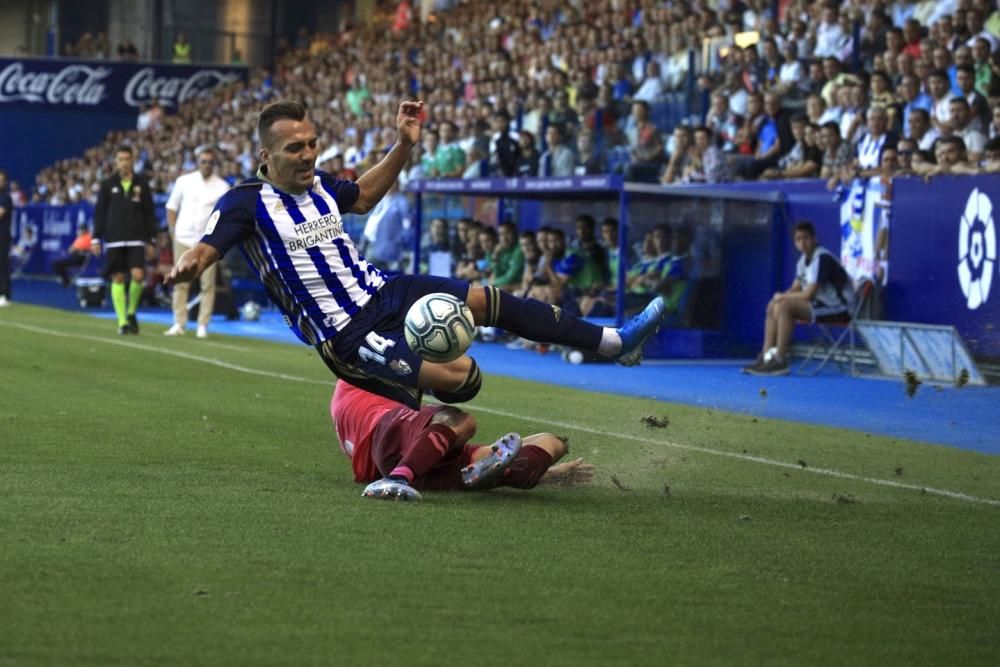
(182, 502)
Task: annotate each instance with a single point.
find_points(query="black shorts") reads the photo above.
(371, 351)
(124, 258)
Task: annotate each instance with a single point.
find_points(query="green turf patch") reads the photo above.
(175, 501)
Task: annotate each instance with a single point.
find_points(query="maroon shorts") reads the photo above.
(400, 429)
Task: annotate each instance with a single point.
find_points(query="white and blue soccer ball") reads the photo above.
(439, 327)
(250, 311)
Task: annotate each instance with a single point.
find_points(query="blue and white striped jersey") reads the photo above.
(298, 247)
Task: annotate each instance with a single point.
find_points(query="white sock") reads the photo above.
(611, 342)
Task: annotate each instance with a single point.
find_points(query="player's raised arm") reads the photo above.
(376, 181)
(192, 264)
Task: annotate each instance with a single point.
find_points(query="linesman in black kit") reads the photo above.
(124, 224)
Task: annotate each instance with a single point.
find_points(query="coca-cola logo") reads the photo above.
(113, 87)
(145, 86)
(73, 84)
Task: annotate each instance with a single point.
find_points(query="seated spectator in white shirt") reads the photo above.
(961, 123)
(558, 159)
(651, 90)
(940, 91)
(830, 38)
(921, 130)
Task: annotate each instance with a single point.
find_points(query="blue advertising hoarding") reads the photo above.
(52, 109)
(109, 87)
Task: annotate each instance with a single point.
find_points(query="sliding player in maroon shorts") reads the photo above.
(398, 451)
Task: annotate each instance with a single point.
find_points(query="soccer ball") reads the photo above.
(250, 311)
(439, 327)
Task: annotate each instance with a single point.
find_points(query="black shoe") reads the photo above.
(756, 365)
(133, 325)
(773, 367)
(124, 330)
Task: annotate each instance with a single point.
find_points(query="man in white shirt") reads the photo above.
(558, 160)
(830, 38)
(190, 204)
(961, 122)
(651, 90)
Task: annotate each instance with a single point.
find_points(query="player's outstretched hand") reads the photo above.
(572, 473)
(184, 270)
(409, 120)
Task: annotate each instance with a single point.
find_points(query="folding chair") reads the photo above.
(829, 341)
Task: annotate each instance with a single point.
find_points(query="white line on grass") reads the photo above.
(175, 353)
(540, 420)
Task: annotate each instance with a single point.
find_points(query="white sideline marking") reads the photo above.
(175, 353)
(540, 420)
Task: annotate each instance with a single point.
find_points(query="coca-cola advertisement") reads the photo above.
(51, 85)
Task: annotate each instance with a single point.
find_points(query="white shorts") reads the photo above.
(823, 311)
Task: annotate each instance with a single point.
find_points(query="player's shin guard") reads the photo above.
(529, 466)
(434, 443)
(466, 391)
(537, 321)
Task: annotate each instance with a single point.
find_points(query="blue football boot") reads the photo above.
(635, 332)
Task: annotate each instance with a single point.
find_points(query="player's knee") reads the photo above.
(476, 301)
(460, 422)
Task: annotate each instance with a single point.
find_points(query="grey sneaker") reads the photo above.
(488, 470)
(390, 489)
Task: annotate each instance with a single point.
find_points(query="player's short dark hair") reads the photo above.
(831, 125)
(804, 226)
(939, 73)
(917, 110)
(800, 118)
(610, 221)
(507, 224)
(124, 148)
(272, 113)
(959, 100)
(586, 219)
(968, 69)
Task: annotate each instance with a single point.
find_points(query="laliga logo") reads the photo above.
(977, 249)
(144, 86)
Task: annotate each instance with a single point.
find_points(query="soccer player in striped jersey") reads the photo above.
(287, 222)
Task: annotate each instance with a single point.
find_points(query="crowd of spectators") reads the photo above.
(574, 269)
(97, 47)
(553, 88)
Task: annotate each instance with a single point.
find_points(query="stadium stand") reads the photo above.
(580, 66)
